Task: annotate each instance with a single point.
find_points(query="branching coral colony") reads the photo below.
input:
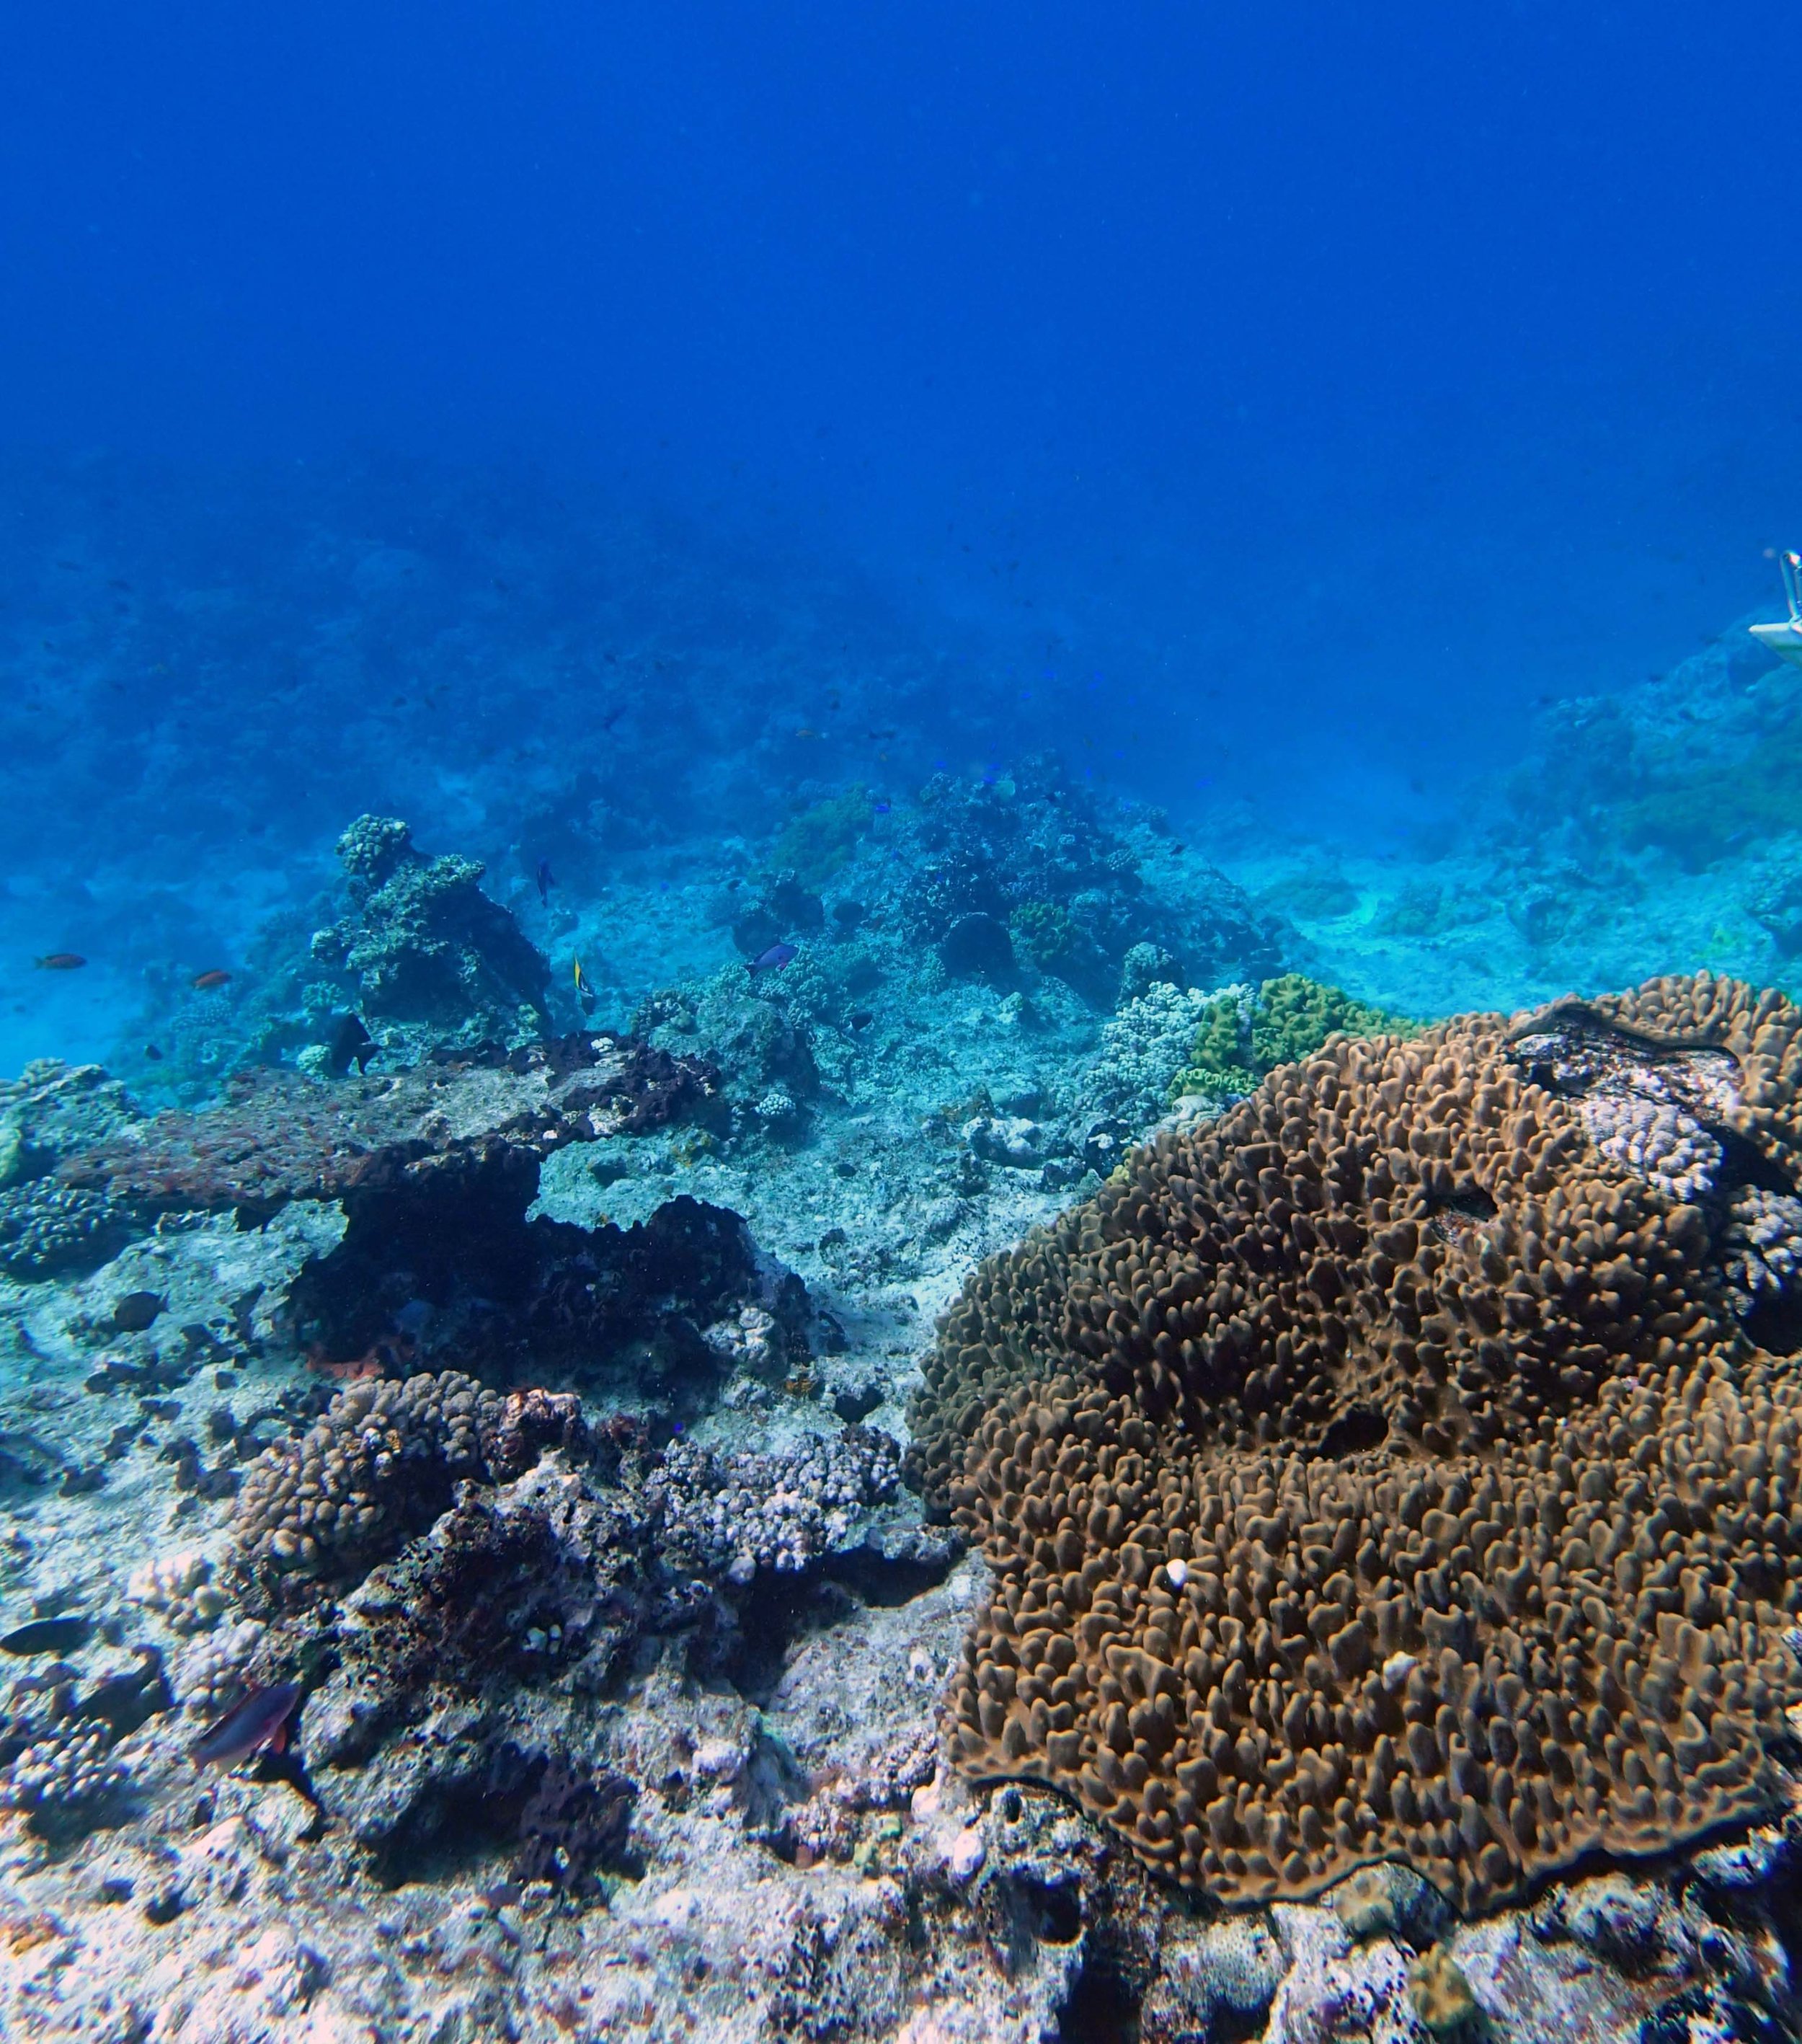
(1382, 1471)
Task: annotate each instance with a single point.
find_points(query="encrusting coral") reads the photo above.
(1241, 1036)
(1379, 1472)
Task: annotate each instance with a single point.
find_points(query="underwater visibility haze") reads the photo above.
(900, 1100)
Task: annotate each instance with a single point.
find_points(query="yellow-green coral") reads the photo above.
(815, 844)
(1238, 1041)
(1043, 930)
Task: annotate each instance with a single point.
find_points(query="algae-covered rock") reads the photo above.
(1440, 1994)
(1043, 932)
(423, 946)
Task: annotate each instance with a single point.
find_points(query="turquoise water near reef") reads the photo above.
(604, 438)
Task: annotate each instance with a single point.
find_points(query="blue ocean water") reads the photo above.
(1275, 413)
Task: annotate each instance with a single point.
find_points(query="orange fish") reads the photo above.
(60, 961)
(204, 982)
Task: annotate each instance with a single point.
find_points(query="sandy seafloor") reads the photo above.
(770, 1845)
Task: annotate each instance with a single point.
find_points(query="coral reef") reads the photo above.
(381, 1464)
(819, 841)
(277, 1137)
(1763, 1248)
(48, 1230)
(1144, 1045)
(1658, 1141)
(423, 946)
(1241, 1036)
(66, 1782)
(210, 1675)
(1021, 868)
(733, 1515)
(180, 1589)
(1376, 1472)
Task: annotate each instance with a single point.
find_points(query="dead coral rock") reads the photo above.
(543, 1580)
(509, 1296)
(634, 1087)
(277, 1137)
(516, 1431)
(423, 944)
(1379, 1472)
(576, 1826)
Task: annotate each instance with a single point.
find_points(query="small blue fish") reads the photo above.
(546, 880)
(774, 959)
(882, 808)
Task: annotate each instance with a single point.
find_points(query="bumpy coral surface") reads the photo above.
(1380, 1472)
(51, 1231)
(745, 1511)
(381, 1465)
(1242, 1035)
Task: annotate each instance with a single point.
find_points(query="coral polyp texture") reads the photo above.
(1381, 1472)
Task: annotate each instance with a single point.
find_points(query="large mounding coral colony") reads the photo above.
(1383, 1471)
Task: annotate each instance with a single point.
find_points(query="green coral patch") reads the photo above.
(1043, 931)
(817, 843)
(1241, 1038)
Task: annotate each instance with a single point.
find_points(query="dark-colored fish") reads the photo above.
(546, 879)
(259, 1722)
(135, 1311)
(350, 1044)
(774, 959)
(129, 1697)
(60, 961)
(47, 1635)
(861, 1018)
(152, 1052)
(205, 982)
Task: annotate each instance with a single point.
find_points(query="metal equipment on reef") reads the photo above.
(1784, 639)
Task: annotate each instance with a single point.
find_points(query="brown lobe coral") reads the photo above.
(1378, 1472)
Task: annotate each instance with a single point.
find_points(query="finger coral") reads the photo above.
(1379, 1471)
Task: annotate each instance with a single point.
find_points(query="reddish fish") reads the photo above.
(61, 962)
(205, 982)
(258, 1724)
